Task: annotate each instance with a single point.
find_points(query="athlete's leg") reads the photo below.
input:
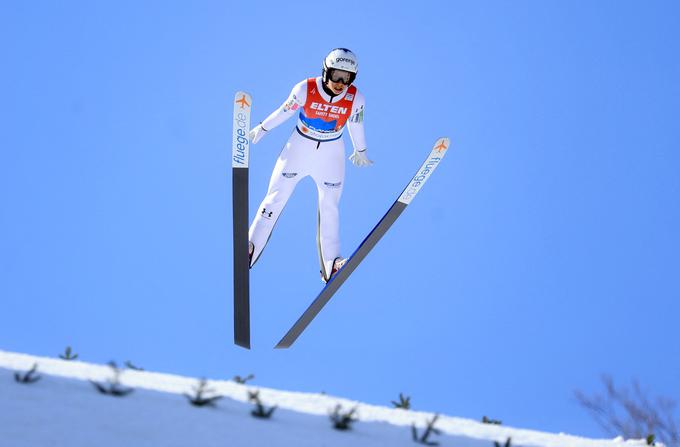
(329, 176)
(289, 169)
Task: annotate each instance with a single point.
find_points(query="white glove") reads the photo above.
(360, 159)
(257, 133)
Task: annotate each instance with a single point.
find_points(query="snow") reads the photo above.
(64, 409)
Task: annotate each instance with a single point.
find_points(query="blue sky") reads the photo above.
(542, 253)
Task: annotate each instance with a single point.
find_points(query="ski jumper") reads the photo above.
(315, 148)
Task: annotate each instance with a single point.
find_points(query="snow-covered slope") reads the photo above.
(64, 409)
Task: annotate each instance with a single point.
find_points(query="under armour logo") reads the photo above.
(266, 214)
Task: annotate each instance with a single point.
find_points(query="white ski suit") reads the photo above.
(315, 148)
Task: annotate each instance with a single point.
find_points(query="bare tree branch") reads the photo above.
(630, 413)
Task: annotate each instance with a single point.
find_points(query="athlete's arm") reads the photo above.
(295, 100)
(355, 125)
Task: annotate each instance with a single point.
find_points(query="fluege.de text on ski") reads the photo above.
(241, 138)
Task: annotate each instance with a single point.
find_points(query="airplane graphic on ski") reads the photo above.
(243, 102)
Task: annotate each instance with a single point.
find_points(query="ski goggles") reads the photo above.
(340, 76)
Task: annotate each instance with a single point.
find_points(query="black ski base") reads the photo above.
(241, 258)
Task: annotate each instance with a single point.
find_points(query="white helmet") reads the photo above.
(340, 59)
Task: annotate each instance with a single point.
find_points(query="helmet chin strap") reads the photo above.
(328, 91)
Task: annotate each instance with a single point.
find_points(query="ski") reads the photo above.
(240, 146)
(417, 182)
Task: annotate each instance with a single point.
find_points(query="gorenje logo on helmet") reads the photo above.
(344, 59)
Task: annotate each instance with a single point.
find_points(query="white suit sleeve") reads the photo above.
(295, 100)
(355, 124)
